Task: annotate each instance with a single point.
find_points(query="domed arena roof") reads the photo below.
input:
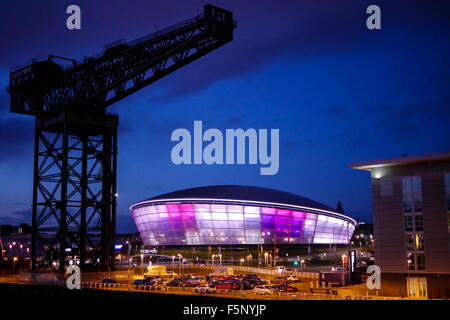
(243, 193)
(234, 214)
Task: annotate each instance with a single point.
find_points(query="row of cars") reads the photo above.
(244, 282)
(215, 283)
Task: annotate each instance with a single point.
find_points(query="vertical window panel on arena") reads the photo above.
(252, 220)
(309, 228)
(267, 223)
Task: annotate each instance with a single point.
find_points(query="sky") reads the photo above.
(338, 93)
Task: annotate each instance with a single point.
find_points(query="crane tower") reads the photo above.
(75, 147)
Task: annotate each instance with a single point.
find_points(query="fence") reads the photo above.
(268, 271)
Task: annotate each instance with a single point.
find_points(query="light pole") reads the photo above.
(14, 265)
(343, 270)
(266, 255)
(213, 259)
(129, 273)
(179, 264)
(301, 265)
(173, 262)
(220, 260)
(242, 260)
(142, 264)
(407, 281)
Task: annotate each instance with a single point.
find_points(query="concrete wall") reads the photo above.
(388, 217)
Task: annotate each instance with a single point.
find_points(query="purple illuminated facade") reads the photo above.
(238, 215)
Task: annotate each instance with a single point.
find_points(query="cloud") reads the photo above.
(15, 217)
(266, 30)
(407, 120)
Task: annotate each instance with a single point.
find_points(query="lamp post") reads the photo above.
(266, 255)
(343, 270)
(14, 264)
(407, 280)
(242, 260)
(173, 262)
(142, 264)
(129, 273)
(179, 264)
(301, 265)
(220, 260)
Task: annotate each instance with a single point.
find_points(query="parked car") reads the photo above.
(170, 274)
(205, 288)
(175, 283)
(288, 288)
(137, 282)
(292, 278)
(228, 285)
(195, 281)
(265, 290)
(109, 281)
(278, 280)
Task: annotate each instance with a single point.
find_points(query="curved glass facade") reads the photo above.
(203, 223)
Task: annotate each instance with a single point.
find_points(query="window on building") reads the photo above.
(418, 223)
(419, 243)
(420, 257)
(412, 194)
(408, 223)
(407, 204)
(410, 242)
(410, 261)
(412, 209)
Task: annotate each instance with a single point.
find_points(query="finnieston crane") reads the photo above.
(75, 147)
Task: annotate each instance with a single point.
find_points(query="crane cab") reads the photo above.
(24, 85)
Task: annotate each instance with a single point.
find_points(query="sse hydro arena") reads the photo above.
(238, 215)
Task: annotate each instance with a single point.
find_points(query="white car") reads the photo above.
(194, 281)
(265, 290)
(292, 278)
(170, 274)
(205, 288)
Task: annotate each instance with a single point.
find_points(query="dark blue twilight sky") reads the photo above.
(338, 92)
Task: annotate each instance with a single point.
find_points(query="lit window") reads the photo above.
(418, 239)
(410, 261)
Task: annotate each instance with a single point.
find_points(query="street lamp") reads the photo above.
(242, 260)
(213, 259)
(179, 264)
(14, 264)
(142, 264)
(266, 255)
(343, 270)
(220, 259)
(301, 265)
(173, 262)
(129, 273)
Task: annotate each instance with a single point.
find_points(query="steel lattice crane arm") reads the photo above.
(121, 69)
